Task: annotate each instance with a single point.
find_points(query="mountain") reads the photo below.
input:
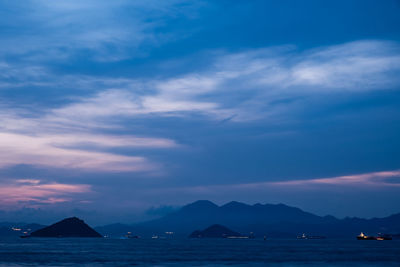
(279, 221)
(214, 231)
(274, 221)
(70, 227)
(245, 218)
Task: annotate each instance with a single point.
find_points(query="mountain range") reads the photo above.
(272, 220)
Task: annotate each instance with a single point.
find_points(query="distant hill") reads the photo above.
(214, 231)
(274, 221)
(279, 221)
(70, 227)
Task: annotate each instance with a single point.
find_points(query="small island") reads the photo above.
(215, 231)
(70, 227)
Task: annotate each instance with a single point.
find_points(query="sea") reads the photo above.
(197, 252)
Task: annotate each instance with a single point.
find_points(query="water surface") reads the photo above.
(199, 252)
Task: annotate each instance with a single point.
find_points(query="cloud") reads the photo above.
(246, 85)
(260, 77)
(364, 180)
(236, 87)
(112, 103)
(104, 31)
(70, 138)
(18, 149)
(243, 86)
(360, 66)
(34, 192)
(54, 141)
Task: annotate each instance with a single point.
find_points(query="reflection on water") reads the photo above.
(203, 252)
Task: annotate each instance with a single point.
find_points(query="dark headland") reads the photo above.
(70, 227)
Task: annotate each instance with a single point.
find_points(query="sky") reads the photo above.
(121, 111)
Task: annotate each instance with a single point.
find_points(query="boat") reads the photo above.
(380, 237)
(130, 236)
(304, 236)
(362, 236)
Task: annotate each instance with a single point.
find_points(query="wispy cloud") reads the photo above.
(364, 180)
(58, 139)
(362, 65)
(243, 86)
(246, 84)
(69, 138)
(34, 192)
(102, 30)
(39, 151)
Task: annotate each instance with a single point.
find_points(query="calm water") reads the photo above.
(198, 252)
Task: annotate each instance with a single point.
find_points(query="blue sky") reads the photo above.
(111, 108)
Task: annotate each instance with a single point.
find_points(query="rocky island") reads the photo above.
(215, 231)
(70, 227)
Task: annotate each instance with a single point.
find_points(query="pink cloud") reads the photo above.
(22, 149)
(30, 192)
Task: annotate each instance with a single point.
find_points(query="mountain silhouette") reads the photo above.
(272, 220)
(214, 231)
(70, 227)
